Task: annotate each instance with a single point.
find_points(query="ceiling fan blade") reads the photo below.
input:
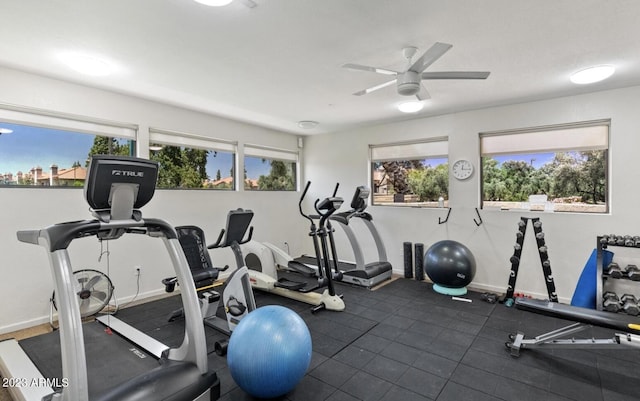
(423, 94)
(249, 3)
(456, 75)
(430, 56)
(372, 69)
(375, 88)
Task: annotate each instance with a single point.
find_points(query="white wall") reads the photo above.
(26, 285)
(570, 237)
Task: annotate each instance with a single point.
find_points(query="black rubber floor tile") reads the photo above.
(574, 389)
(397, 393)
(311, 389)
(399, 321)
(448, 350)
(354, 356)
(456, 337)
(609, 395)
(476, 378)
(372, 343)
(422, 382)
(426, 329)
(385, 368)
(415, 340)
(457, 392)
(435, 364)
(339, 395)
(401, 353)
(509, 389)
(333, 372)
(366, 387)
(386, 331)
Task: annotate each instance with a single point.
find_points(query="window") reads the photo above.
(38, 148)
(410, 173)
(269, 169)
(559, 168)
(191, 161)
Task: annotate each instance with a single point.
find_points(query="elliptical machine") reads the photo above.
(264, 259)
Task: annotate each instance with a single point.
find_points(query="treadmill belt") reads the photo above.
(110, 358)
(312, 261)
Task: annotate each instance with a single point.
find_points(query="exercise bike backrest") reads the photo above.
(238, 222)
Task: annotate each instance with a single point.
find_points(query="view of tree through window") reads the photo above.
(36, 156)
(411, 182)
(559, 168)
(182, 167)
(263, 174)
(562, 181)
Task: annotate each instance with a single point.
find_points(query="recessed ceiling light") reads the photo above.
(5, 131)
(410, 107)
(592, 74)
(155, 147)
(307, 124)
(86, 64)
(214, 3)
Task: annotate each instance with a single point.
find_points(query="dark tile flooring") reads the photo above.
(404, 342)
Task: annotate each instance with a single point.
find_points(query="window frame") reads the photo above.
(595, 135)
(272, 153)
(194, 141)
(420, 149)
(71, 123)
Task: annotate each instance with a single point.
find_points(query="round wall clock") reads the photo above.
(462, 169)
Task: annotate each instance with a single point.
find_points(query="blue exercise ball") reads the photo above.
(269, 351)
(449, 264)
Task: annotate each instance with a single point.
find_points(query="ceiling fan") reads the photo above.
(409, 81)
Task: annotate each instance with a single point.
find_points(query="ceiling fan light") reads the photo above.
(214, 3)
(307, 124)
(592, 74)
(410, 107)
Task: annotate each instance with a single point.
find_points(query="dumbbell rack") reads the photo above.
(544, 258)
(601, 276)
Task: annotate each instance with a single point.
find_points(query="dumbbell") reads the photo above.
(614, 270)
(633, 272)
(628, 241)
(636, 241)
(611, 302)
(630, 304)
(611, 239)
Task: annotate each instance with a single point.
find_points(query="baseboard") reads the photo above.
(122, 302)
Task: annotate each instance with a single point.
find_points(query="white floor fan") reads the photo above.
(94, 290)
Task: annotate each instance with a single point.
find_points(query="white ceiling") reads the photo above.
(280, 62)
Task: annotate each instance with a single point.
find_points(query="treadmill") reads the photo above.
(358, 273)
(86, 362)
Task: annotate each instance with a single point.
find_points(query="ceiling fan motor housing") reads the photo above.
(409, 83)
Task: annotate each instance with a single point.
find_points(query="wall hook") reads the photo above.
(479, 217)
(440, 221)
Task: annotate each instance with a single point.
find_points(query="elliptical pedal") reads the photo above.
(290, 285)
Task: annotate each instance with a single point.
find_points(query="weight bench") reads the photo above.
(584, 319)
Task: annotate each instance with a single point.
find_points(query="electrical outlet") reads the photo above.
(137, 270)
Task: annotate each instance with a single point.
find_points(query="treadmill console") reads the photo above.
(359, 201)
(116, 185)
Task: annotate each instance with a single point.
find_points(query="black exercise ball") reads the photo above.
(449, 264)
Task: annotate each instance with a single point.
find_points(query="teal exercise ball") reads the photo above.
(269, 351)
